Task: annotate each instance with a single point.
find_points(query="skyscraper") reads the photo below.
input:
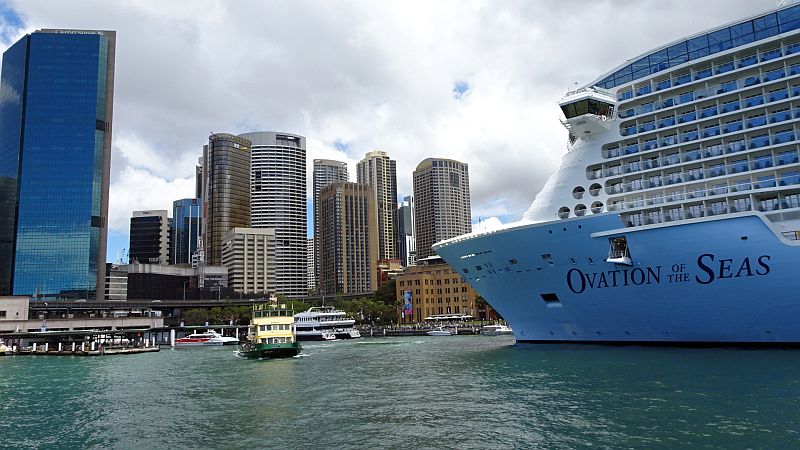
(311, 265)
(226, 191)
(150, 237)
(56, 104)
(349, 239)
(186, 214)
(380, 172)
(326, 171)
(278, 200)
(406, 238)
(248, 253)
(442, 207)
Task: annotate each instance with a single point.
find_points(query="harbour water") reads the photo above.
(410, 392)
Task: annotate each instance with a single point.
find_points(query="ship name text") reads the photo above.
(710, 269)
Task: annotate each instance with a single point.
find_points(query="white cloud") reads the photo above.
(488, 224)
(374, 75)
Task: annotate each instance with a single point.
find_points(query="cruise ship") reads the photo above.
(674, 215)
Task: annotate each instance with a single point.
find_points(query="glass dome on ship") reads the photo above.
(674, 214)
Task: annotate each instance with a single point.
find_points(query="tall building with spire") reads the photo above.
(56, 104)
(326, 171)
(380, 172)
(442, 204)
(278, 201)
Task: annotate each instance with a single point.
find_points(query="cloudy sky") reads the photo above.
(477, 81)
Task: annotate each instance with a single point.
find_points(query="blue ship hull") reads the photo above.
(726, 281)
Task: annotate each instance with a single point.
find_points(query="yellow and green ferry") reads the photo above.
(272, 333)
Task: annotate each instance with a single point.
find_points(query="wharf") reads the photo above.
(412, 331)
(101, 352)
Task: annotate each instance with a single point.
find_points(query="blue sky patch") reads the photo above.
(460, 88)
(11, 22)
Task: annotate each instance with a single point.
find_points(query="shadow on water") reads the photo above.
(433, 392)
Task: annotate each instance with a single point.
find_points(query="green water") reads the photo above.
(415, 392)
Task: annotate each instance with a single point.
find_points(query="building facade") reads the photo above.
(326, 171)
(56, 104)
(249, 255)
(278, 198)
(311, 265)
(157, 282)
(116, 283)
(150, 237)
(380, 172)
(186, 214)
(406, 237)
(433, 288)
(226, 192)
(442, 203)
(349, 239)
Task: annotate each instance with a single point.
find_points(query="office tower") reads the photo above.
(326, 171)
(56, 102)
(442, 207)
(311, 264)
(249, 255)
(380, 172)
(149, 237)
(198, 178)
(348, 239)
(226, 192)
(406, 239)
(278, 190)
(186, 214)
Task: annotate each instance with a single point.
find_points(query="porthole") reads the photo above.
(563, 212)
(580, 209)
(597, 207)
(594, 189)
(578, 192)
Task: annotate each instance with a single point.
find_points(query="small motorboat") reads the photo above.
(438, 331)
(496, 330)
(210, 337)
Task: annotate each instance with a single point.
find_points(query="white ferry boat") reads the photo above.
(674, 215)
(210, 337)
(496, 330)
(324, 323)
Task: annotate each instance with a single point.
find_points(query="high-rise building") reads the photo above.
(442, 207)
(150, 237)
(406, 238)
(349, 239)
(56, 103)
(326, 171)
(380, 172)
(226, 192)
(311, 262)
(278, 199)
(186, 214)
(249, 255)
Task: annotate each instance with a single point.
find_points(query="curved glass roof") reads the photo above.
(742, 33)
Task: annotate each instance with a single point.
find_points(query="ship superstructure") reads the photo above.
(674, 215)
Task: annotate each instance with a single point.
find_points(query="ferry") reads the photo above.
(271, 334)
(674, 215)
(324, 323)
(210, 337)
(496, 330)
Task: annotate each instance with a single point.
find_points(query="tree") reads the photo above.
(386, 293)
(195, 316)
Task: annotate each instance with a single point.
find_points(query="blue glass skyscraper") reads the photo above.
(186, 214)
(56, 99)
